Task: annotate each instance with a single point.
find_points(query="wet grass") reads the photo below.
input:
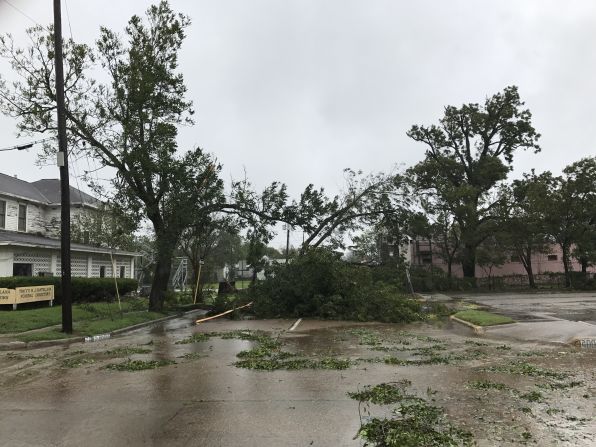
(87, 328)
(23, 319)
(482, 318)
(138, 365)
(52, 334)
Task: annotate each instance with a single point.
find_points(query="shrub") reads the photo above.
(84, 290)
(319, 284)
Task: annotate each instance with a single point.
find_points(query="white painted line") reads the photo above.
(295, 325)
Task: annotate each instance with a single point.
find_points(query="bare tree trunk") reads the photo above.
(469, 261)
(566, 265)
(526, 258)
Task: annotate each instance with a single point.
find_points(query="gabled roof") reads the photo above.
(35, 241)
(21, 189)
(46, 191)
(50, 188)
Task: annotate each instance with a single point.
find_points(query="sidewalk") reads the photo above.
(10, 341)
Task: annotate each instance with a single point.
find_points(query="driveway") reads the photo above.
(550, 317)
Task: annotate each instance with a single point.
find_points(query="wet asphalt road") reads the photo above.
(577, 306)
(207, 401)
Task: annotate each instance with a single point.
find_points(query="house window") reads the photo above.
(2, 214)
(21, 269)
(552, 257)
(102, 271)
(122, 271)
(22, 218)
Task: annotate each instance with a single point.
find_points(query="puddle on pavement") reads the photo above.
(495, 416)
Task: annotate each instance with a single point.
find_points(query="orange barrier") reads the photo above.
(223, 313)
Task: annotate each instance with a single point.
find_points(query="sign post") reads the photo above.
(201, 262)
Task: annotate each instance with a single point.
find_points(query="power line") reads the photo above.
(68, 18)
(23, 13)
(20, 147)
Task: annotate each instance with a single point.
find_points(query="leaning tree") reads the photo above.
(129, 122)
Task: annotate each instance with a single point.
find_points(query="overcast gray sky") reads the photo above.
(297, 90)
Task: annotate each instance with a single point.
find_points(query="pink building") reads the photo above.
(422, 252)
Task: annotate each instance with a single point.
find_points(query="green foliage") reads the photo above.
(384, 393)
(125, 351)
(138, 365)
(194, 338)
(468, 154)
(414, 421)
(83, 289)
(319, 284)
(527, 369)
(487, 385)
(76, 362)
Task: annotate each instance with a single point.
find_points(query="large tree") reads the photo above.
(523, 223)
(129, 122)
(468, 154)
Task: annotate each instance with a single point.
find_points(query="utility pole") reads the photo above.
(287, 243)
(63, 165)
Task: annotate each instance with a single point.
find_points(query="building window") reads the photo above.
(122, 271)
(102, 271)
(552, 257)
(2, 214)
(22, 218)
(22, 269)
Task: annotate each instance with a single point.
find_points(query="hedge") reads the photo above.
(84, 290)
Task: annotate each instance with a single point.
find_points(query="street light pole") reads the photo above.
(63, 165)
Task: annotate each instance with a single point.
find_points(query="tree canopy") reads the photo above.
(467, 155)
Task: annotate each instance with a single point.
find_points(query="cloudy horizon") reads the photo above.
(296, 91)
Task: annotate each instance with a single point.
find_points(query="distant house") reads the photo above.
(30, 228)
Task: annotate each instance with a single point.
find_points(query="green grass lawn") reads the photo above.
(88, 319)
(482, 318)
(87, 328)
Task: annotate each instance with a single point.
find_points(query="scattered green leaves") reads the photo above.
(138, 365)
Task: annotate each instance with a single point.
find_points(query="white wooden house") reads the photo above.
(29, 231)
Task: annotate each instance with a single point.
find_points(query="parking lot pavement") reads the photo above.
(69, 396)
(543, 317)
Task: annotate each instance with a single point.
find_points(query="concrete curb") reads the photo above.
(477, 329)
(9, 346)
